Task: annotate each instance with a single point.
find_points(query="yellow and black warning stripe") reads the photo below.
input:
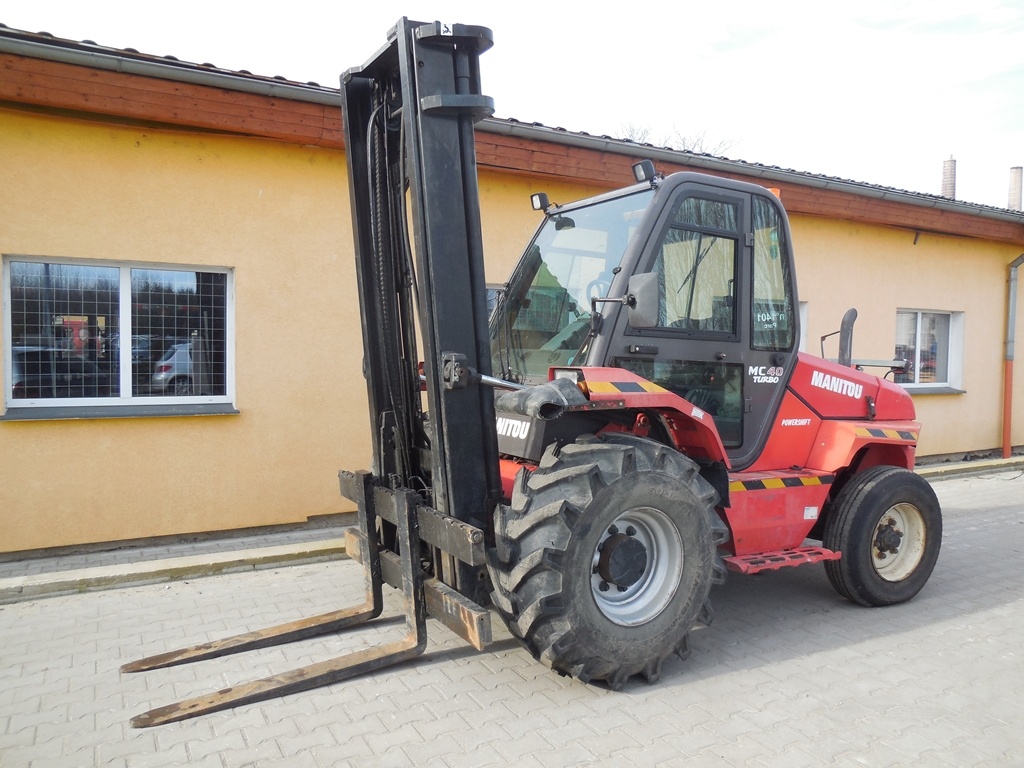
(774, 483)
(887, 434)
(623, 386)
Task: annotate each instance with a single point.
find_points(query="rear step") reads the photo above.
(782, 558)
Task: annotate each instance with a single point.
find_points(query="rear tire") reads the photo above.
(887, 523)
(604, 559)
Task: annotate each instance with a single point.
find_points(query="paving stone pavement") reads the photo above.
(789, 674)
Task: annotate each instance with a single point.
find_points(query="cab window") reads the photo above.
(772, 316)
(696, 267)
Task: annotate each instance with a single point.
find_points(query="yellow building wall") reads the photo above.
(881, 269)
(509, 221)
(278, 215)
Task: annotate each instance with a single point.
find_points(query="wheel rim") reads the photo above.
(630, 601)
(898, 542)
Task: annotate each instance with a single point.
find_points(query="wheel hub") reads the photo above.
(887, 539)
(623, 560)
(898, 542)
(636, 566)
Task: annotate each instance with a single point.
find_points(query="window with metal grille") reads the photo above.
(84, 333)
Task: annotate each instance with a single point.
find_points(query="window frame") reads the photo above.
(130, 405)
(953, 383)
(774, 224)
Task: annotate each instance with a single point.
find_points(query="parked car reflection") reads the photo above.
(145, 349)
(42, 373)
(142, 347)
(173, 373)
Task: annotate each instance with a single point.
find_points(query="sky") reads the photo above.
(877, 91)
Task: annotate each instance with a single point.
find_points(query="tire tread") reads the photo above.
(851, 519)
(533, 532)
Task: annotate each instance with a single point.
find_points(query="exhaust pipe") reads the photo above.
(846, 338)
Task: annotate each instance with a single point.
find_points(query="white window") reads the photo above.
(82, 334)
(932, 344)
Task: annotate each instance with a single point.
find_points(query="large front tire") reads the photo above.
(604, 559)
(887, 523)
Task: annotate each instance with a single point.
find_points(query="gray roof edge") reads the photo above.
(724, 165)
(41, 46)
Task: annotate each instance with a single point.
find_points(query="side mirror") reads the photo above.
(644, 304)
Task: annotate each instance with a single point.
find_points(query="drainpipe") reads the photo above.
(1011, 321)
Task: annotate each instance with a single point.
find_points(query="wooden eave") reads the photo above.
(97, 93)
(613, 170)
(92, 93)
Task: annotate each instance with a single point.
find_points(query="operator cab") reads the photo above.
(722, 332)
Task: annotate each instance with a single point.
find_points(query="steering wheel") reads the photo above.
(601, 285)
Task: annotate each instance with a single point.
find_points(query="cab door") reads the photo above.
(726, 329)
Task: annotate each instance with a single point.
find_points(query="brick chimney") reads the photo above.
(949, 178)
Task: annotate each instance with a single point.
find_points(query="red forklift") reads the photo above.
(628, 423)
